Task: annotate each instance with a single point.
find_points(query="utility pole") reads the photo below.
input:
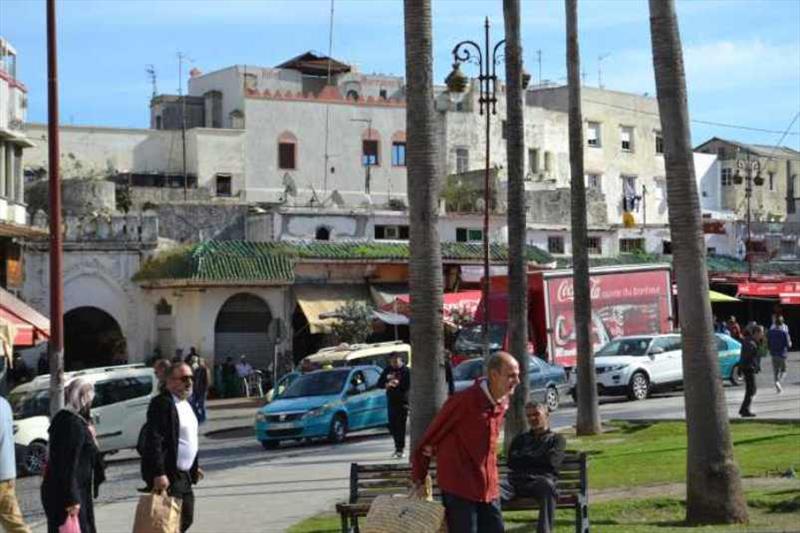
(539, 60)
(600, 59)
(56, 345)
(181, 57)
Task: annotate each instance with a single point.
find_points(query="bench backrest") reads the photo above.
(370, 480)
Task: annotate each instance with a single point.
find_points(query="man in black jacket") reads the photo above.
(169, 461)
(534, 460)
(750, 363)
(396, 379)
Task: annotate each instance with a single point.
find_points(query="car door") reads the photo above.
(108, 413)
(675, 359)
(657, 361)
(536, 380)
(356, 400)
(136, 399)
(376, 413)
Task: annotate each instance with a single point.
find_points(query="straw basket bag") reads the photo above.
(406, 514)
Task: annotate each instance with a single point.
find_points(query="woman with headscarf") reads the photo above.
(74, 469)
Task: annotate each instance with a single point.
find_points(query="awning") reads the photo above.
(393, 319)
(29, 326)
(385, 294)
(790, 298)
(463, 303)
(760, 289)
(717, 297)
(316, 300)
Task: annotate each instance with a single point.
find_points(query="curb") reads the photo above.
(226, 430)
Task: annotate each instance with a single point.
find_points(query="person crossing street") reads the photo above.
(396, 379)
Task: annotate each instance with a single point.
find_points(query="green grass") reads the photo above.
(774, 510)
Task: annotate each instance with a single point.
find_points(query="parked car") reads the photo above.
(122, 394)
(547, 382)
(729, 350)
(357, 354)
(324, 403)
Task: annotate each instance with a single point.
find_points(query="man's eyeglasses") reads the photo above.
(185, 379)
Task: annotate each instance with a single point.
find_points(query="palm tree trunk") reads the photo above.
(425, 262)
(588, 419)
(713, 487)
(517, 264)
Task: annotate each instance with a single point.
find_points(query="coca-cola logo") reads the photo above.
(566, 291)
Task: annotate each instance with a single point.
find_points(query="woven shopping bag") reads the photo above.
(157, 513)
(405, 514)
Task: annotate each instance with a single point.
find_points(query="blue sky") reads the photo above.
(743, 56)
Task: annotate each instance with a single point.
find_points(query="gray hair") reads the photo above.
(78, 394)
(496, 361)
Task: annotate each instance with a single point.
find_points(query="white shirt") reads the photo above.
(187, 434)
(244, 369)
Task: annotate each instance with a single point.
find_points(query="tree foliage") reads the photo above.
(354, 322)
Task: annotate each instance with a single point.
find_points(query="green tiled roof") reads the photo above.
(245, 261)
(716, 264)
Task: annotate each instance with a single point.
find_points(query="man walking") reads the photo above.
(463, 437)
(750, 365)
(396, 379)
(10, 514)
(779, 342)
(171, 442)
(534, 460)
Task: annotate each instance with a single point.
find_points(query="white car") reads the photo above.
(635, 366)
(122, 395)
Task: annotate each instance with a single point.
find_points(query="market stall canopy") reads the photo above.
(718, 297)
(456, 306)
(28, 327)
(321, 302)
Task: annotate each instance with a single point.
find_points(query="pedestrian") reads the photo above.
(534, 459)
(170, 450)
(160, 369)
(199, 387)
(192, 353)
(151, 361)
(396, 379)
(779, 342)
(42, 365)
(243, 371)
(749, 362)
(463, 437)
(74, 469)
(734, 329)
(20, 373)
(448, 372)
(10, 514)
(229, 378)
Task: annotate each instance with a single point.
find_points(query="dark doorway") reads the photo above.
(241, 329)
(92, 338)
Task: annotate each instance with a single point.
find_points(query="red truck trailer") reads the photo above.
(626, 300)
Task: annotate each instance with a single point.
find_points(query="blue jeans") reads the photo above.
(465, 516)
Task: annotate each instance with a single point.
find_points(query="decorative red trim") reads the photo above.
(328, 95)
(13, 82)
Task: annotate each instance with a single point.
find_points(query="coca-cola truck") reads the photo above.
(626, 300)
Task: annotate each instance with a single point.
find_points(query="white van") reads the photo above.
(122, 395)
(358, 354)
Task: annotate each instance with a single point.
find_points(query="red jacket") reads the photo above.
(464, 436)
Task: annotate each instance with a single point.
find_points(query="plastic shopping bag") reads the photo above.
(157, 513)
(70, 525)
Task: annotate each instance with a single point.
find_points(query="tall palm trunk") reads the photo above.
(713, 488)
(588, 422)
(517, 263)
(425, 263)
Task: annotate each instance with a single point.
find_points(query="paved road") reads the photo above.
(248, 489)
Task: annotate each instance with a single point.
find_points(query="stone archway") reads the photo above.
(92, 338)
(241, 328)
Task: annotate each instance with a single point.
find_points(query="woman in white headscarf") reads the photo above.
(73, 467)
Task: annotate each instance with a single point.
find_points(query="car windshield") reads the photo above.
(470, 339)
(624, 347)
(468, 370)
(322, 383)
(30, 403)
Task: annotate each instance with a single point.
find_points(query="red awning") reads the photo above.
(767, 289)
(453, 302)
(790, 298)
(30, 326)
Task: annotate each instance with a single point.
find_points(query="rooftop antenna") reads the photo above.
(151, 74)
(181, 58)
(327, 105)
(539, 60)
(600, 59)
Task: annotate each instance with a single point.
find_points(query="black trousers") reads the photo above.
(181, 487)
(398, 415)
(749, 389)
(543, 489)
(465, 516)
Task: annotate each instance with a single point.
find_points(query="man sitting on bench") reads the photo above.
(534, 459)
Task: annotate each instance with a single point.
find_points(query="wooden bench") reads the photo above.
(368, 481)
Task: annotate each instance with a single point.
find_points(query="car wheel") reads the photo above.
(551, 399)
(737, 378)
(35, 458)
(338, 429)
(270, 444)
(639, 387)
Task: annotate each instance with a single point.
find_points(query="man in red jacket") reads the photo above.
(463, 437)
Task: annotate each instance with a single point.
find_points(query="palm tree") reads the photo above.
(425, 262)
(713, 487)
(517, 264)
(588, 422)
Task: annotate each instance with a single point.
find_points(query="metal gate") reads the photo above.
(241, 329)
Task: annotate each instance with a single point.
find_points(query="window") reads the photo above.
(628, 186)
(659, 143)
(533, 160)
(369, 153)
(286, 156)
(771, 180)
(626, 138)
(398, 154)
(158, 122)
(224, 186)
(666, 247)
(727, 177)
(548, 161)
(629, 246)
(721, 153)
(594, 182)
(382, 94)
(555, 244)
(352, 95)
(322, 234)
(594, 245)
(593, 134)
(119, 390)
(469, 235)
(462, 160)
(383, 232)
(504, 128)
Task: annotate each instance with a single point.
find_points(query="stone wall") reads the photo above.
(191, 222)
(78, 196)
(554, 207)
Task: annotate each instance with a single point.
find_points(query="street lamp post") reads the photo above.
(750, 168)
(456, 85)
